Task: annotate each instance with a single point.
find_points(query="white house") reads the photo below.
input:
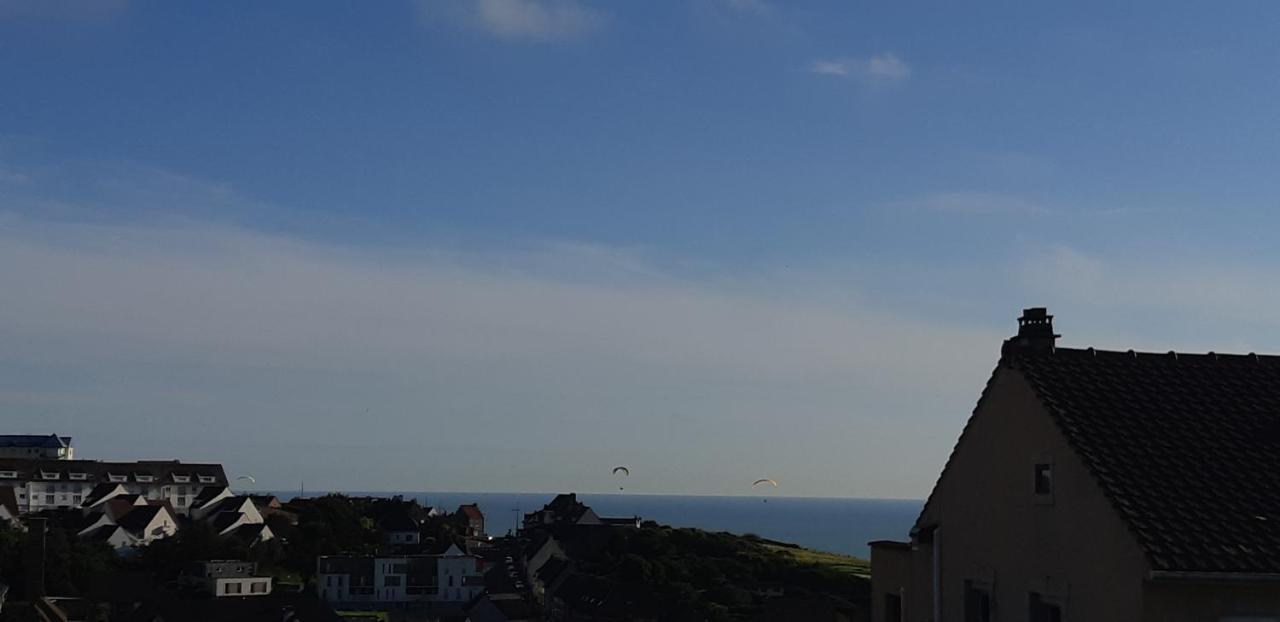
(222, 578)
(453, 576)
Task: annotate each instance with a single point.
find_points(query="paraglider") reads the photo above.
(623, 470)
(764, 480)
(249, 478)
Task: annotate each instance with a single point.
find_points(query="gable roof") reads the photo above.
(471, 510)
(1186, 447)
(399, 520)
(136, 521)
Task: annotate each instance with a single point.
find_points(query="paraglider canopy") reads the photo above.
(621, 469)
(248, 477)
(764, 481)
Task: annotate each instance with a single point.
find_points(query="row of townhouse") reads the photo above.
(365, 580)
(46, 484)
(125, 520)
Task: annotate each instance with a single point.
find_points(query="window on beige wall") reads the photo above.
(1044, 609)
(977, 603)
(1044, 478)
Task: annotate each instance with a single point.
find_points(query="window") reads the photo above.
(117, 478)
(977, 603)
(1044, 479)
(207, 479)
(144, 478)
(892, 608)
(47, 475)
(1044, 610)
(79, 476)
(48, 499)
(391, 580)
(233, 588)
(258, 587)
(75, 498)
(8, 474)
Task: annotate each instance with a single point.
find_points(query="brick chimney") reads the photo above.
(1035, 333)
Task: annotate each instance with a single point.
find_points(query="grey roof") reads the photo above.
(50, 441)
(138, 518)
(96, 471)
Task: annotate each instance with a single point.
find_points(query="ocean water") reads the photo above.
(824, 524)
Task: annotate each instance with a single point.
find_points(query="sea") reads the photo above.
(834, 525)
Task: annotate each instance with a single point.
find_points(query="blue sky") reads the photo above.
(505, 244)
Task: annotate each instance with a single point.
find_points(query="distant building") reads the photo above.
(36, 447)
(356, 581)
(563, 509)
(46, 484)
(475, 520)
(1103, 486)
(236, 516)
(221, 578)
(128, 521)
(400, 528)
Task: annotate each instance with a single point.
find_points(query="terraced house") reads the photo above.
(1093, 485)
(54, 483)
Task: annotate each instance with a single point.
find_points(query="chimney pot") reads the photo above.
(1035, 333)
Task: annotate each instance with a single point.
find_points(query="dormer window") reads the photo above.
(181, 479)
(48, 475)
(144, 478)
(207, 479)
(78, 476)
(117, 478)
(8, 474)
(1044, 479)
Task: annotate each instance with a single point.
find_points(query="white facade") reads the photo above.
(457, 578)
(61, 484)
(239, 586)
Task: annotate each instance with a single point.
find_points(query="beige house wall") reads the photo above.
(995, 531)
(1181, 601)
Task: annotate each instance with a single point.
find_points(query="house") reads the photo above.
(563, 509)
(475, 520)
(49, 483)
(400, 528)
(355, 581)
(129, 521)
(231, 515)
(9, 507)
(223, 577)
(1101, 486)
(36, 447)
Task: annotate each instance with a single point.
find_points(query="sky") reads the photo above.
(506, 245)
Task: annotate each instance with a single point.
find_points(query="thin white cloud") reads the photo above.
(887, 67)
(520, 20)
(973, 203)
(195, 323)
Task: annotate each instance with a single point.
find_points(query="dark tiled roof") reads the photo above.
(138, 518)
(1185, 446)
(44, 441)
(96, 471)
(399, 520)
(99, 491)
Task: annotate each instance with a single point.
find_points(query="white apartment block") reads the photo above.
(349, 580)
(58, 483)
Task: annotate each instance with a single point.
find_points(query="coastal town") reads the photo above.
(1054, 457)
(160, 541)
